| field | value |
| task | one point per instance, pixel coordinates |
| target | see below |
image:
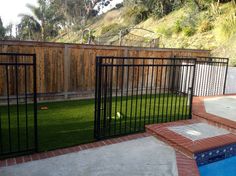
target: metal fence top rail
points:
(212, 62)
(16, 64)
(17, 59)
(17, 54)
(148, 58)
(148, 65)
(211, 57)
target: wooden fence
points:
(68, 70)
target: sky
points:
(10, 9)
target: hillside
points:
(183, 28)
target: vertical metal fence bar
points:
(192, 92)
(137, 97)
(102, 98)
(164, 93)
(172, 89)
(199, 89)
(127, 98)
(221, 78)
(96, 104)
(26, 108)
(105, 103)
(145, 107)
(218, 78)
(189, 92)
(150, 101)
(209, 79)
(155, 97)
(160, 95)
(110, 98)
(177, 91)
(8, 109)
(122, 87)
(116, 99)
(17, 102)
(185, 92)
(168, 91)
(141, 99)
(226, 74)
(99, 94)
(35, 103)
(132, 96)
(180, 92)
(1, 136)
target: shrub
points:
(177, 26)
(188, 31)
(205, 26)
(167, 32)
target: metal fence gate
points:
(18, 104)
(210, 76)
(132, 92)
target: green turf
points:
(71, 122)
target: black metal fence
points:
(132, 92)
(18, 106)
(210, 76)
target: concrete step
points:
(192, 137)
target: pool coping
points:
(199, 112)
(182, 161)
(186, 145)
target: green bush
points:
(167, 32)
(188, 31)
(178, 26)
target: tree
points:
(44, 20)
(201, 4)
(29, 29)
(158, 8)
(2, 30)
(77, 11)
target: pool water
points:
(226, 167)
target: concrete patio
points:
(143, 156)
(224, 106)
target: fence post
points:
(98, 98)
(66, 71)
(192, 89)
(35, 103)
(226, 73)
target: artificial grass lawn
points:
(72, 122)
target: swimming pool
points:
(220, 161)
(226, 167)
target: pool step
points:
(185, 145)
